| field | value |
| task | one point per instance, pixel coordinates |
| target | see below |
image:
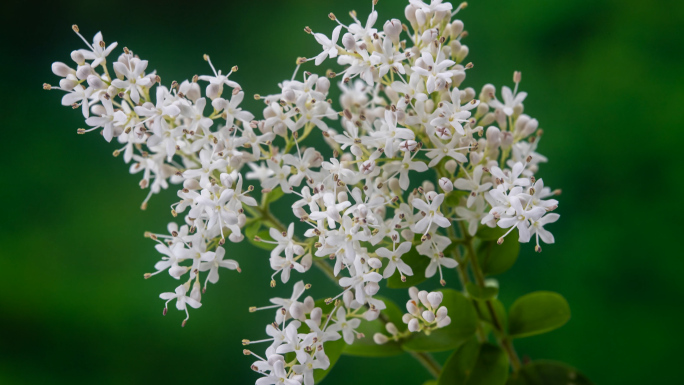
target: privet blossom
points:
(414, 161)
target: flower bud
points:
(406, 318)
(342, 196)
(297, 310)
(530, 128)
(458, 78)
(349, 42)
(309, 304)
(413, 293)
(61, 69)
(410, 13)
(392, 30)
(372, 288)
(428, 316)
(391, 328)
(428, 186)
(375, 263)
(444, 322)
(409, 145)
(435, 298)
(196, 292)
(68, 84)
(467, 95)
(441, 313)
(487, 93)
(371, 314)
(462, 53)
(83, 71)
(431, 194)
(242, 220)
(412, 308)
(520, 123)
(394, 186)
(323, 85)
(236, 237)
(289, 95)
(446, 185)
(414, 325)
(407, 234)
(316, 315)
(422, 295)
(191, 184)
(96, 82)
(451, 166)
(421, 18)
(493, 136)
(476, 157)
(455, 46)
(77, 57)
(367, 167)
(191, 91)
(306, 261)
(506, 139)
(347, 298)
(380, 338)
(430, 35)
(456, 28)
(517, 110)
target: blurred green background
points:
(604, 79)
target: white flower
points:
(213, 265)
(442, 150)
(216, 82)
(521, 219)
(432, 214)
(329, 45)
(347, 327)
(473, 185)
(277, 377)
(537, 228)
(97, 52)
(110, 121)
(132, 70)
(395, 262)
(434, 6)
(473, 217)
(435, 71)
(357, 282)
(332, 210)
(318, 361)
(511, 100)
(181, 300)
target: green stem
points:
(429, 362)
(503, 339)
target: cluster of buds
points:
(424, 313)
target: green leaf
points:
(499, 310)
(481, 293)
(546, 372)
(487, 233)
(537, 313)
(453, 198)
(496, 259)
(254, 230)
(430, 382)
(333, 349)
(462, 327)
(274, 195)
(366, 347)
(418, 264)
(475, 364)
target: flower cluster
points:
(365, 204)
